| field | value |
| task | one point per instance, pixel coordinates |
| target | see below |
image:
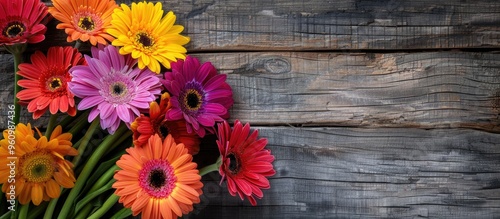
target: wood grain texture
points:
(425, 90)
(371, 173)
(222, 25)
(372, 108)
(339, 25)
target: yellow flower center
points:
(37, 166)
(192, 99)
(14, 29)
(54, 84)
(86, 23)
(145, 40)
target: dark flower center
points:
(54, 83)
(118, 89)
(14, 29)
(37, 166)
(192, 100)
(163, 130)
(86, 23)
(234, 165)
(144, 39)
(39, 170)
(157, 178)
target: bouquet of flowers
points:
(135, 84)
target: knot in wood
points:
(277, 65)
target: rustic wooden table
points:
(373, 108)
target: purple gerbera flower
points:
(113, 87)
(199, 95)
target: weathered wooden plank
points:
(426, 90)
(7, 94)
(366, 173)
(340, 25)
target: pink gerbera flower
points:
(199, 94)
(20, 21)
(113, 87)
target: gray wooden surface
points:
(373, 109)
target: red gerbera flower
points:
(46, 80)
(144, 127)
(20, 21)
(245, 162)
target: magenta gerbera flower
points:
(199, 95)
(113, 87)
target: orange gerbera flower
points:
(144, 127)
(46, 80)
(39, 164)
(160, 180)
(85, 20)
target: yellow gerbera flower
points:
(39, 165)
(86, 20)
(150, 37)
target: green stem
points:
(33, 214)
(85, 141)
(23, 213)
(105, 207)
(76, 144)
(78, 44)
(84, 212)
(3, 202)
(18, 59)
(90, 196)
(123, 213)
(212, 167)
(119, 141)
(14, 213)
(104, 179)
(73, 121)
(50, 209)
(87, 171)
(51, 125)
(79, 125)
(6, 215)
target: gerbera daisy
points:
(160, 180)
(20, 21)
(46, 81)
(144, 127)
(199, 95)
(85, 20)
(245, 162)
(40, 165)
(149, 36)
(113, 88)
